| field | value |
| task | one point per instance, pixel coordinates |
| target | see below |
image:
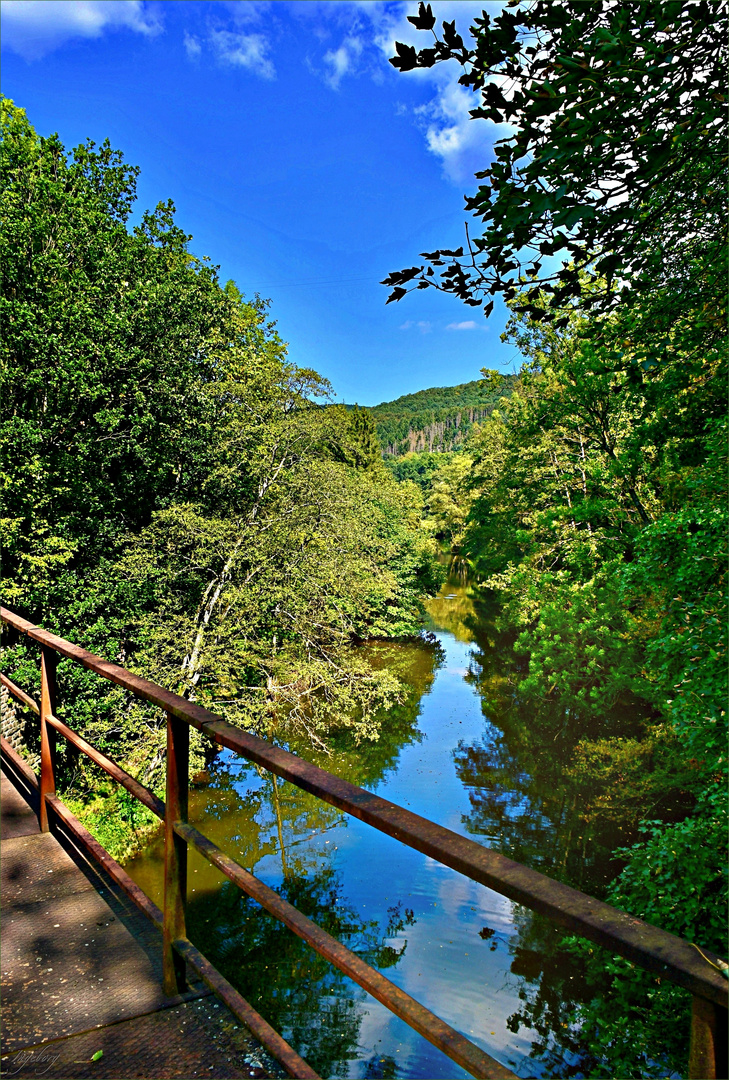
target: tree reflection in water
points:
(312, 1004)
(287, 837)
(525, 798)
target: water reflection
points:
(534, 816)
(292, 840)
(466, 753)
(305, 998)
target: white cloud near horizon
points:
(34, 28)
(469, 324)
(423, 326)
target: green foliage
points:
(626, 773)
(599, 487)
(463, 396)
(615, 164)
(105, 356)
(676, 876)
(119, 822)
(445, 482)
(268, 606)
(581, 646)
(418, 468)
(676, 879)
(178, 498)
(682, 568)
(598, 520)
(365, 446)
(449, 498)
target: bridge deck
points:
(81, 973)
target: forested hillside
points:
(435, 420)
(175, 496)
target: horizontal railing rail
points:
(654, 949)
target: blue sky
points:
(297, 157)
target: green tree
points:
(106, 354)
(582, 459)
(449, 498)
(615, 165)
(599, 520)
(440, 418)
(255, 614)
(357, 442)
(598, 498)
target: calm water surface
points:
(465, 754)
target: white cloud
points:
(468, 325)
(34, 28)
(390, 22)
(422, 326)
(462, 145)
(249, 11)
(193, 48)
(342, 61)
(348, 35)
(242, 50)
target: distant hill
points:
(436, 420)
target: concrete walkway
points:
(82, 975)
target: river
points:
(463, 752)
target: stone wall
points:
(12, 723)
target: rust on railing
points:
(47, 734)
(178, 756)
(294, 1065)
(648, 946)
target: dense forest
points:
(436, 420)
(176, 496)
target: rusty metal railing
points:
(649, 947)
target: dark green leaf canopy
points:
(617, 159)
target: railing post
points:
(178, 753)
(708, 1050)
(48, 735)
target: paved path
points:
(81, 973)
